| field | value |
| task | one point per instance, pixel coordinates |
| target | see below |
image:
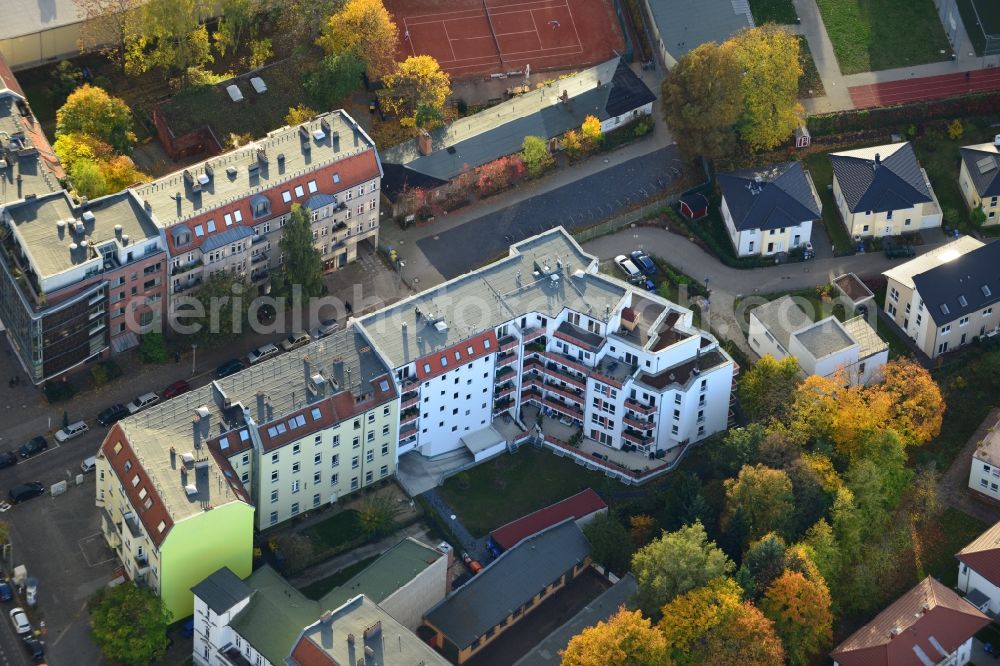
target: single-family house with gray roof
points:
(769, 210)
(883, 191)
(979, 176)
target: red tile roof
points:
(928, 616)
(353, 171)
(8, 79)
(456, 355)
(307, 653)
(983, 555)
(157, 512)
(582, 504)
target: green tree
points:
(238, 21)
(88, 179)
(536, 155)
(153, 348)
(129, 624)
(768, 59)
(300, 21)
(303, 263)
(821, 545)
(93, 112)
(812, 501)
(334, 80)
(878, 480)
(978, 216)
(106, 26)
(417, 83)
(169, 36)
(221, 314)
(846, 524)
(738, 447)
(674, 564)
(377, 516)
(702, 100)
(767, 390)
(763, 563)
(763, 496)
(610, 544)
(299, 114)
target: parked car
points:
(326, 327)
(230, 367)
(643, 262)
(88, 464)
(142, 402)
(71, 431)
(112, 414)
(899, 252)
(628, 268)
(175, 389)
(6, 594)
(34, 446)
(35, 648)
(20, 620)
(262, 352)
(26, 491)
(8, 459)
(295, 340)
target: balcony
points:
(568, 362)
(638, 407)
(409, 401)
(635, 437)
(532, 334)
(409, 416)
(505, 389)
(189, 285)
(502, 405)
(638, 424)
(578, 337)
(531, 393)
(566, 392)
(233, 656)
(504, 371)
(180, 270)
(532, 364)
(506, 359)
(257, 258)
(259, 276)
(572, 378)
(507, 342)
(407, 431)
(563, 408)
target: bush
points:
(967, 106)
(58, 391)
(462, 107)
(643, 127)
(105, 372)
(153, 348)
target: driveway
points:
(577, 204)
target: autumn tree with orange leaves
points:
(799, 607)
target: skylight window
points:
(198, 231)
(238, 215)
(312, 187)
(962, 301)
(986, 291)
(211, 226)
(945, 309)
(316, 414)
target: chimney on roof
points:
(260, 407)
(270, 409)
(206, 422)
(261, 156)
(424, 142)
(878, 162)
(306, 368)
(196, 431)
(326, 617)
(350, 639)
(335, 138)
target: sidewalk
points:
(812, 28)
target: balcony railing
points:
(638, 424)
(507, 342)
(635, 437)
(568, 362)
(563, 408)
(409, 402)
(506, 359)
(179, 270)
(553, 370)
(532, 334)
(504, 371)
(575, 396)
(639, 407)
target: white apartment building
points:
(984, 473)
(543, 327)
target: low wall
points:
(201, 141)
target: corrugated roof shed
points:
(576, 507)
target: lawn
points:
(317, 589)
(970, 383)
(810, 85)
(939, 543)
(988, 12)
(256, 115)
(821, 170)
(336, 530)
(513, 485)
(882, 34)
(773, 11)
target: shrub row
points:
(966, 106)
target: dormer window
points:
(260, 205)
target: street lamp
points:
(194, 355)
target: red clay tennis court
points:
(928, 87)
(475, 37)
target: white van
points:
(142, 402)
(88, 464)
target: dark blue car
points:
(6, 594)
(643, 262)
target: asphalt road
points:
(578, 204)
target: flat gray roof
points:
(497, 293)
(482, 439)
(171, 200)
(687, 24)
(868, 340)
(824, 338)
(781, 318)
(222, 590)
(48, 245)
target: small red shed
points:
(694, 206)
